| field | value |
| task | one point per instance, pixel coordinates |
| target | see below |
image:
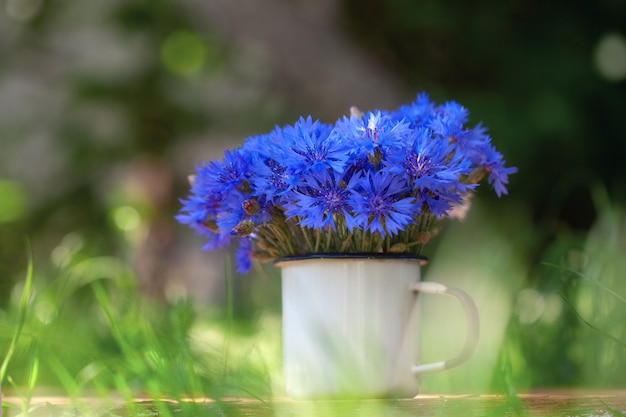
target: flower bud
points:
(250, 207)
(398, 248)
(244, 228)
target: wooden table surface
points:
(550, 403)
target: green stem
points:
(307, 238)
(329, 236)
(281, 239)
(363, 233)
(318, 238)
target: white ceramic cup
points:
(351, 326)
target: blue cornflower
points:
(270, 178)
(380, 203)
(225, 176)
(448, 124)
(192, 214)
(433, 169)
(448, 129)
(493, 162)
(202, 208)
(320, 199)
(418, 113)
(198, 210)
(453, 112)
(231, 212)
(429, 163)
(372, 131)
(311, 149)
(474, 140)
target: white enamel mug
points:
(351, 326)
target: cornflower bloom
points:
(380, 203)
(320, 200)
(433, 169)
(371, 135)
(310, 149)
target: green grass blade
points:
(590, 325)
(65, 378)
(21, 320)
(585, 277)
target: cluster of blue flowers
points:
(372, 182)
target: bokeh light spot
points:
(183, 52)
(62, 255)
(553, 309)
(610, 57)
(126, 218)
(530, 305)
(46, 311)
(12, 201)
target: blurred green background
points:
(105, 108)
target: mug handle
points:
(471, 337)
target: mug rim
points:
(422, 260)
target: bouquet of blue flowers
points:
(373, 182)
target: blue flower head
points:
(213, 188)
(320, 200)
(225, 176)
(381, 205)
(418, 113)
(268, 161)
(311, 149)
(432, 163)
(200, 216)
(370, 132)
(493, 162)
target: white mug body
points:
(350, 327)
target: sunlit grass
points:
(88, 332)
(566, 330)
(551, 323)
(16, 332)
(599, 276)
